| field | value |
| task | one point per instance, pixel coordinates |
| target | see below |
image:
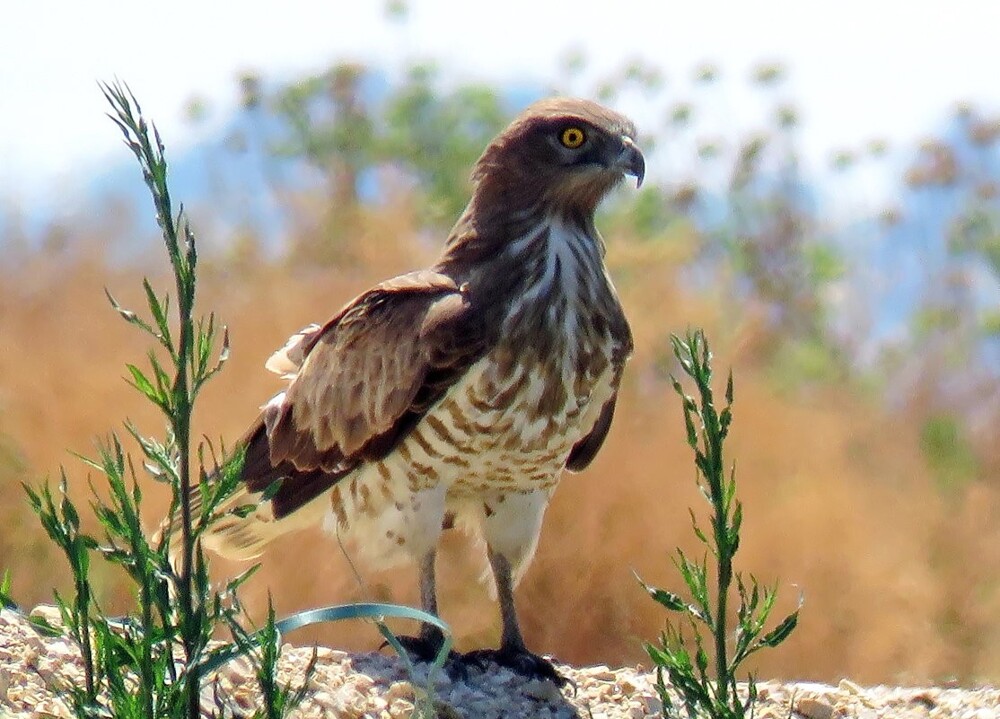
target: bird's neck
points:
(487, 235)
(530, 270)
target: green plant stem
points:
(721, 634)
(82, 586)
(723, 543)
(183, 259)
(146, 665)
(182, 435)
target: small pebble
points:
(626, 685)
(846, 685)
(813, 708)
(542, 690)
(400, 690)
(653, 705)
(49, 612)
(401, 709)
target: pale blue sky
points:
(858, 69)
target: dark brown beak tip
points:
(632, 161)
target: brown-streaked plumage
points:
(458, 394)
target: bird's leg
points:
(429, 634)
(511, 641)
(513, 653)
(425, 646)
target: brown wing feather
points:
(586, 449)
(366, 378)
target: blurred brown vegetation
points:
(862, 504)
(900, 581)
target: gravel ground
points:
(352, 686)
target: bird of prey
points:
(458, 394)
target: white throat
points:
(564, 262)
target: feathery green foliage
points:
(150, 664)
(682, 663)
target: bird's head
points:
(566, 154)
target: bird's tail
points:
(246, 520)
(245, 524)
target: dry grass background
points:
(901, 582)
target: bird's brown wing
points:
(365, 380)
(586, 449)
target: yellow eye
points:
(572, 137)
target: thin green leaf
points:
(128, 315)
(697, 529)
(159, 309)
(242, 511)
(668, 599)
(272, 489)
(146, 387)
(780, 633)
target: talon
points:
(524, 663)
(421, 649)
(425, 649)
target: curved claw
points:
(524, 663)
(425, 649)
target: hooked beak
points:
(630, 160)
